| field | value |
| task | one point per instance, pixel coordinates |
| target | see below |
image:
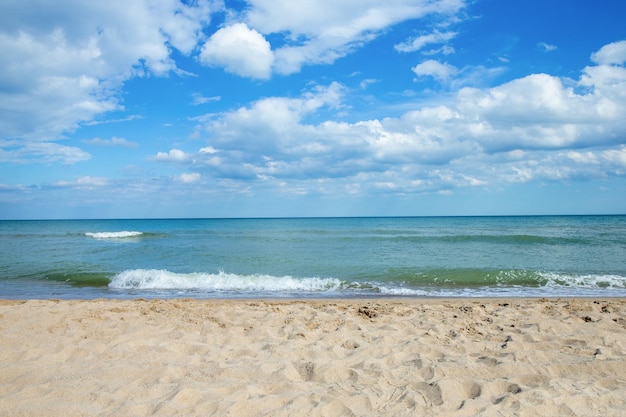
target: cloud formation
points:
(240, 50)
(516, 132)
(418, 43)
(63, 63)
(114, 141)
(314, 33)
(81, 76)
(547, 47)
(16, 152)
(611, 54)
(435, 69)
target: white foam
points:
(113, 235)
(584, 281)
(399, 291)
(222, 281)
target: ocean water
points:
(522, 256)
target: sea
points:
(303, 258)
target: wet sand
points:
(396, 357)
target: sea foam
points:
(584, 281)
(114, 235)
(222, 281)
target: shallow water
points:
(315, 257)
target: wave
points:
(514, 239)
(80, 279)
(584, 281)
(222, 281)
(479, 238)
(463, 277)
(113, 235)
(421, 284)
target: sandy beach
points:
(453, 357)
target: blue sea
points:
(534, 256)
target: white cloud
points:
(616, 156)
(209, 150)
(583, 157)
(63, 63)
(611, 54)
(114, 141)
(325, 30)
(189, 178)
(240, 50)
(516, 132)
(11, 187)
(444, 50)
(435, 69)
(547, 47)
(49, 85)
(109, 121)
(367, 82)
(421, 41)
(86, 182)
(14, 151)
(349, 16)
(271, 123)
(174, 155)
(199, 99)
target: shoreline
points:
(339, 298)
(328, 357)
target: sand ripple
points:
(314, 358)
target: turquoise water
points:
(315, 257)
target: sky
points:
(280, 108)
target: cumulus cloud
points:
(64, 63)
(520, 131)
(240, 50)
(174, 155)
(611, 54)
(273, 124)
(325, 30)
(435, 69)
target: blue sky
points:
(264, 108)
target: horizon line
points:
(317, 217)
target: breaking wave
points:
(113, 235)
(222, 281)
(256, 284)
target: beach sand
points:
(447, 357)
